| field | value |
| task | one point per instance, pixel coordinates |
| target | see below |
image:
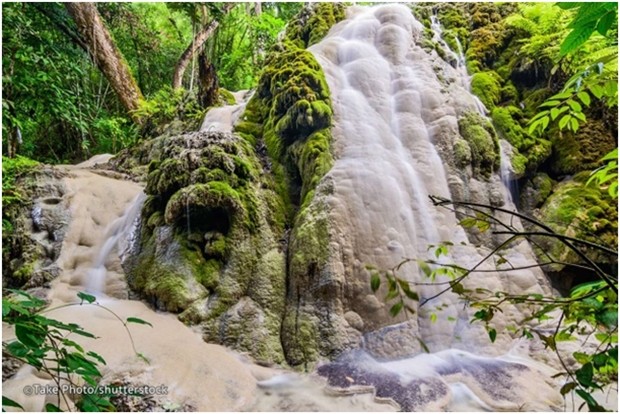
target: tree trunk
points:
(199, 40)
(106, 55)
(208, 84)
(186, 57)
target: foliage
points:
(239, 46)
(597, 78)
(607, 175)
(590, 311)
(52, 93)
(12, 168)
(169, 104)
(46, 344)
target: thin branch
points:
(562, 237)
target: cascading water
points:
(118, 234)
(224, 118)
(395, 125)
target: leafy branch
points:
(46, 345)
(591, 309)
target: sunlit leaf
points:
(584, 97)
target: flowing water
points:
(391, 113)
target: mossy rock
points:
(537, 154)
(582, 211)
(313, 23)
(583, 150)
(482, 140)
(291, 113)
(487, 87)
(535, 192)
(211, 227)
(165, 271)
(510, 128)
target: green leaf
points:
(425, 268)
(423, 345)
(584, 97)
(484, 225)
(86, 297)
(580, 116)
(433, 317)
(492, 334)
(568, 5)
(550, 103)
(575, 38)
(581, 357)
(412, 295)
(458, 288)
(564, 120)
(554, 113)
(30, 334)
(587, 397)
(396, 308)
(17, 349)
(6, 307)
(597, 90)
(605, 23)
(574, 124)
(574, 105)
(584, 375)
(375, 281)
(7, 402)
(96, 356)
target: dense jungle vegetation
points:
(84, 79)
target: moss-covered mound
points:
(209, 241)
(583, 150)
(585, 212)
(312, 23)
(482, 142)
(291, 115)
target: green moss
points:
(209, 274)
(24, 273)
(519, 164)
(226, 97)
(291, 112)
(312, 24)
(537, 154)
(169, 284)
(510, 129)
(487, 87)
(480, 136)
(509, 93)
(574, 152)
(584, 212)
(156, 219)
(462, 153)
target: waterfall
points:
(395, 125)
(119, 234)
